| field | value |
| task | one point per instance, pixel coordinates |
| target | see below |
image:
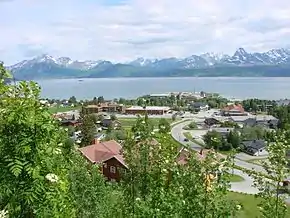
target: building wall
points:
(152, 112)
(92, 110)
(111, 175)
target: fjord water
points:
(110, 88)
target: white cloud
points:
(123, 30)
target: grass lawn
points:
(258, 161)
(127, 123)
(235, 178)
(62, 109)
(249, 205)
(189, 137)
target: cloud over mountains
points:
(124, 30)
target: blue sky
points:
(122, 30)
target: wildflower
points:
(143, 122)
(138, 199)
(238, 207)
(52, 177)
(3, 214)
(57, 151)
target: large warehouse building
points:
(151, 110)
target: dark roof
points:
(198, 104)
(69, 121)
(254, 144)
(250, 121)
(99, 135)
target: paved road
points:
(244, 186)
(177, 133)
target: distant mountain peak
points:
(46, 65)
(240, 51)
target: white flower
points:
(143, 122)
(3, 214)
(138, 199)
(238, 207)
(52, 177)
(57, 151)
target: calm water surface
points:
(110, 88)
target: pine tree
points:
(87, 128)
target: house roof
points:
(92, 106)
(255, 144)
(159, 108)
(250, 121)
(234, 107)
(222, 130)
(103, 151)
(198, 104)
(184, 155)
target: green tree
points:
(234, 139)
(91, 196)
(156, 185)
(101, 99)
(87, 128)
(173, 117)
(213, 139)
(113, 117)
(33, 179)
(192, 125)
(273, 201)
(72, 100)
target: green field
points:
(249, 205)
(189, 137)
(235, 178)
(62, 109)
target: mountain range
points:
(275, 62)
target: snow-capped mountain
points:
(139, 62)
(61, 62)
(64, 66)
(214, 58)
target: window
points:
(112, 169)
(105, 165)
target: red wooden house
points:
(108, 155)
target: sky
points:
(123, 30)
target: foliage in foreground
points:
(42, 175)
(272, 193)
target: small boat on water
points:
(80, 80)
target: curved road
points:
(177, 133)
(244, 186)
